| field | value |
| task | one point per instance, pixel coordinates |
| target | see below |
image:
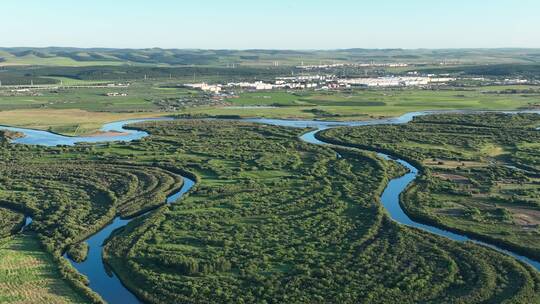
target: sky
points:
(271, 24)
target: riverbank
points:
(67, 122)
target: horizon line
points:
(271, 49)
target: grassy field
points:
(139, 99)
(362, 104)
(389, 102)
(29, 275)
(76, 111)
(154, 98)
(12, 60)
(69, 122)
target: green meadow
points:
(29, 275)
(359, 103)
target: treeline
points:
(495, 70)
(24, 79)
(12, 75)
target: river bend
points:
(109, 287)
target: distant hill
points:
(59, 56)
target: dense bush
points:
(480, 172)
(276, 220)
(271, 220)
(10, 222)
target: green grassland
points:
(30, 275)
(139, 99)
(68, 122)
(161, 92)
(359, 103)
(10, 59)
(79, 111)
(170, 57)
(150, 99)
(394, 100)
(480, 173)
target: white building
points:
(394, 81)
(205, 87)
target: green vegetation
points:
(77, 111)
(23, 75)
(497, 70)
(30, 275)
(55, 56)
(271, 219)
(73, 192)
(10, 222)
(274, 219)
(480, 172)
(351, 104)
(155, 79)
(68, 122)
(140, 97)
(78, 252)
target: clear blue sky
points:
(273, 24)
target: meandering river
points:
(109, 287)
